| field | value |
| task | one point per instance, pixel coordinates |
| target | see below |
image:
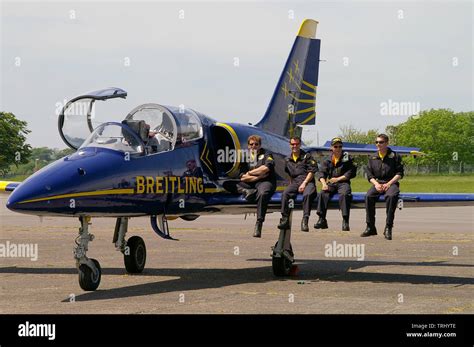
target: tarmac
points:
(218, 267)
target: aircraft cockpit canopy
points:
(114, 136)
(159, 128)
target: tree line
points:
(444, 136)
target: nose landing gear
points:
(89, 269)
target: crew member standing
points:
(257, 179)
(335, 175)
(384, 170)
(301, 168)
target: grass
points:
(425, 184)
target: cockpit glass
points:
(75, 127)
(114, 136)
(190, 127)
(161, 124)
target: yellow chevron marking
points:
(297, 67)
(76, 195)
(305, 110)
(303, 101)
(309, 84)
(290, 73)
(203, 157)
(308, 119)
(285, 89)
(307, 93)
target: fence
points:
(437, 169)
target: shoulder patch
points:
(261, 156)
(312, 162)
(307, 155)
(391, 155)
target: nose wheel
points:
(89, 269)
(89, 277)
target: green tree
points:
(13, 149)
(445, 136)
(351, 134)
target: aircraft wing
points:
(362, 149)
(237, 204)
(8, 186)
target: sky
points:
(375, 56)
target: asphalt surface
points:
(218, 267)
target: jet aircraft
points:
(117, 172)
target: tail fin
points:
(294, 99)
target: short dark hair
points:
(383, 136)
(297, 138)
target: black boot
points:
(284, 223)
(258, 229)
(388, 232)
(304, 224)
(345, 224)
(321, 224)
(369, 231)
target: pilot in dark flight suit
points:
(335, 175)
(257, 179)
(384, 170)
(301, 167)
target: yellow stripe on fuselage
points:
(76, 195)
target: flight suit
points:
(266, 186)
(298, 171)
(344, 167)
(383, 170)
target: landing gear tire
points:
(87, 279)
(136, 258)
(281, 266)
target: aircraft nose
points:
(11, 203)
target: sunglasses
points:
(254, 144)
(379, 142)
(339, 146)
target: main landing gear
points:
(282, 255)
(133, 249)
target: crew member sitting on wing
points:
(384, 170)
(301, 167)
(335, 175)
(257, 179)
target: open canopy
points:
(75, 119)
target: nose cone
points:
(37, 187)
(77, 177)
